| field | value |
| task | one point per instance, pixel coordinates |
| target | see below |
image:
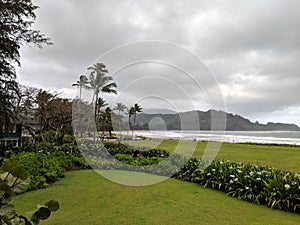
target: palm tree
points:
(100, 104)
(100, 81)
(100, 117)
(120, 108)
(107, 121)
(130, 112)
(136, 108)
(82, 83)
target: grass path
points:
(88, 199)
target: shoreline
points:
(240, 137)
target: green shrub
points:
(258, 184)
(250, 182)
(254, 183)
(43, 168)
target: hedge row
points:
(262, 185)
(254, 183)
(258, 184)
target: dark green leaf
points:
(15, 170)
(8, 210)
(43, 213)
(26, 220)
(4, 187)
(52, 205)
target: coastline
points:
(291, 138)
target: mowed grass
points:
(285, 158)
(87, 198)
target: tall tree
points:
(107, 121)
(43, 101)
(100, 117)
(82, 83)
(137, 109)
(54, 114)
(100, 104)
(26, 109)
(16, 18)
(133, 110)
(130, 112)
(120, 108)
(100, 81)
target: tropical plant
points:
(82, 83)
(107, 121)
(100, 104)
(258, 184)
(130, 113)
(100, 81)
(120, 108)
(14, 180)
(133, 111)
(100, 114)
(137, 109)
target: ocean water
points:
(267, 137)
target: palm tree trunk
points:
(80, 92)
(120, 136)
(95, 116)
(134, 117)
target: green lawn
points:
(281, 157)
(87, 198)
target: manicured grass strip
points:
(283, 157)
(87, 198)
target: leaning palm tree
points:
(82, 83)
(100, 81)
(120, 108)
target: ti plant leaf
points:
(15, 170)
(52, 205)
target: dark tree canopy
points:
(16, 18)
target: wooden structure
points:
(15, 138)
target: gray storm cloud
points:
(252, 47)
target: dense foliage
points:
(262, 185)
(16, 18)
(46, 162)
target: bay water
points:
(266, 137)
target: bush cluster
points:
(263, 185)
(258, 184)
(47, 162)
(122, 157)
(254, 183)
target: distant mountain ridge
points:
(192, 119)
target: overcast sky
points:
(248, 51)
